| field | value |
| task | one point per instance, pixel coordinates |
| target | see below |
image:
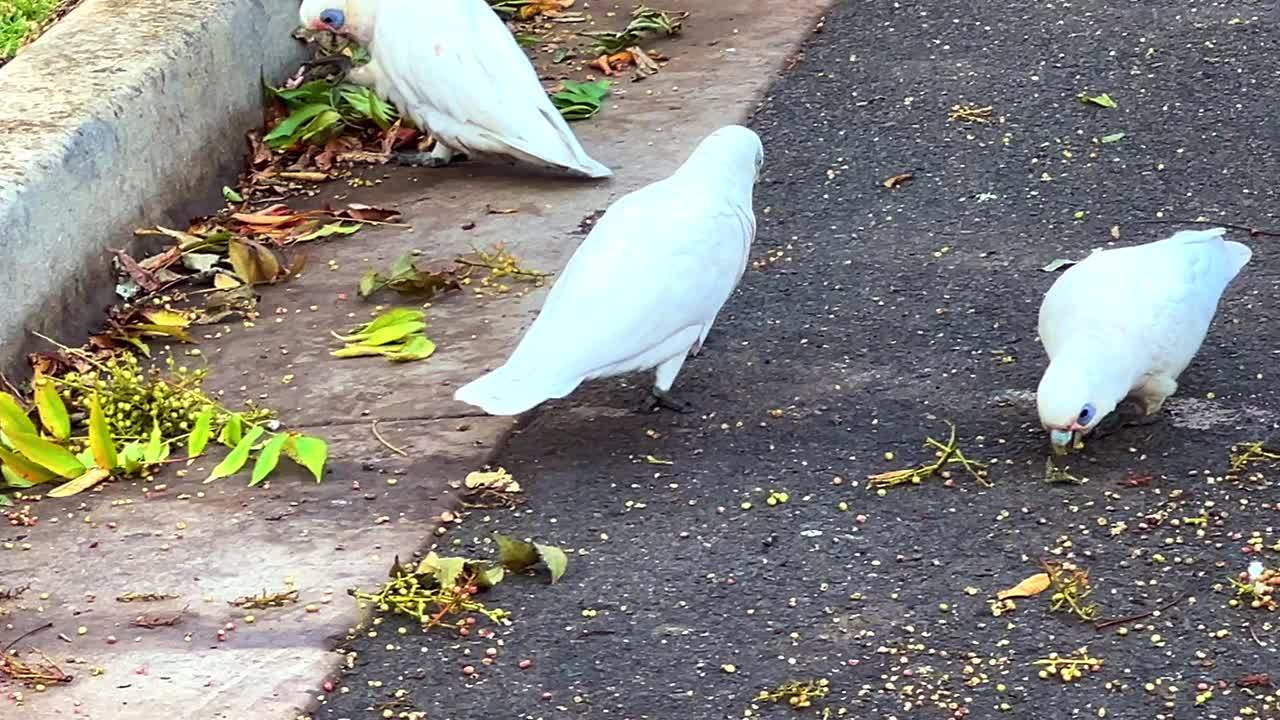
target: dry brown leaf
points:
(1030, 587)
(898, 180)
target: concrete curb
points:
(113, 120)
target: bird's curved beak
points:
(1061, 440)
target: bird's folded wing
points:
(479, 76)
(638, 279)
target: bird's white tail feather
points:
(1240, 255)
(511, 391)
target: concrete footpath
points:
(210, 544)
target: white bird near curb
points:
(1124, 323)
(645, 286)
(453, 67)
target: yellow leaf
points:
(24, 468)
(46, 454)
(499, 479)
(91, 477)
(104, 450)
(52, 411)
(1030, 587)
(223, 281)
(657, 461)
(170, 318)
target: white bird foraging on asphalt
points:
(455, 69)
(645, 286)
(1124, 323)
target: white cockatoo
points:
(455, 69)
(1124, 323)
(645, 286)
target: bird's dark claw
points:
(658, 399)
(418, 159)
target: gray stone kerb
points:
(113, 120)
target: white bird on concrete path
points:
(1124, 323)
(453, 67)
(645, 286)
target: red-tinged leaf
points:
(24, 468)
(356, 211)
(140, 275)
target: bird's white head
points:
(1070, 403)
(349, 18)
(732, 148)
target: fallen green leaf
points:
(12, 417)
(268, 458)
(1103, 100)
(1057, 264)
(157, 450)
(238, 456)
(201, 433)
(53, 457)
(555, 560)
(309, 452)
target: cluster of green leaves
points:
(580, 101)
(322, 110)
(20, 20)
(396, 335)
(32, 454)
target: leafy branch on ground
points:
(645, 22)
(1069, 668)
(427, 279)
(107, 417)
(441, 591)
(395, 334)
(948, 453)
(266, 600)
(1071, 589)
(1248, 454)
(798, 694)
(35, 674)
(409, 276)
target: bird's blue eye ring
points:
(333, 18)
(1086, 414)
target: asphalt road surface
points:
(884, 314)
